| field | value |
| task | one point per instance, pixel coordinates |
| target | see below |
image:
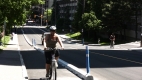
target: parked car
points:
(43, 37)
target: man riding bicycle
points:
(50, 42)
(112, 39)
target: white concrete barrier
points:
(26, 38)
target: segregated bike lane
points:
(61, 72)
(81, 74)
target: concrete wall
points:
(130, 33)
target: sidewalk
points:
(126, 46)
(10, 64)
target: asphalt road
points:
(104, 64)
(35, 62)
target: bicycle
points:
(53, 68)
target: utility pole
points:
(141, 30)
(83, 24)
(55, 11)
(83, 5)
(41, 14)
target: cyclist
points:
(112, 39)
(50, 41)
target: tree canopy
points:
(14, 12)
(113, 14)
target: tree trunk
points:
(124, 32)
(88, 33)
(136, 36)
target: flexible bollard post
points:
(87, 60)
(34, 42)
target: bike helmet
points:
(52, 28)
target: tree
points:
(78, 15)
(90, 22)
(14, 12)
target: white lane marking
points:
(118, 58)
(34, 32)
(25, 75)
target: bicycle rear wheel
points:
(53, 72)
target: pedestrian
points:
(98, 40)
(112, 40)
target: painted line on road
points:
(34, 32)
(117, 58)
(24, 71)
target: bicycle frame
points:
(53, 67)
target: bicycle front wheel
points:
(53, 72)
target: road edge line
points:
(24, 71)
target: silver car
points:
(43, 37)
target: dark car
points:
(43, 37)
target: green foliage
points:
(49, 12)
(90, 21)
(78, 15)
(74, 35)
(116, 13)
(14, 11)
(36, 2)
(5, 39)
(113, 14)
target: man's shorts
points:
(48, 55)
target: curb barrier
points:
(25, 75)
(34, 42)
(26, 38)
(76, 70)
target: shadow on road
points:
(98, 58)
(103, 58)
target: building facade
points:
(69, 6)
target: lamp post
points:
(55, 11)
(141, 30)
(141, 37)
(83, 23)
(82, 37)
(41, 14)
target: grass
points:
(74, 35)
(4, 40)
(103, 41)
